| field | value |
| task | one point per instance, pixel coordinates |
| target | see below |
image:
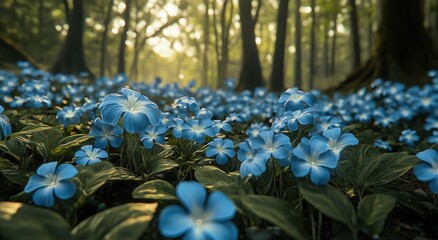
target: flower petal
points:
(65, 190)
(47, 170)
(35, 182)
(66, 171)
(220, 231)
(424, 172)
(44, 197)
(174, 221)
(192, 195)
(220, 207)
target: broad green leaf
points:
(156, 190)
(30, 130)
(69, 142)
(362, 166)
(13, 147)
(16, 176)
(46, 140)
(93, 176)
(373, 211)
(330, 201)
(127, 221)
(277, 212)
(21, 221)
(213, 177)
(161, 165)
(6, 164)
(121, 173)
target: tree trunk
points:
(71, 58)
(204, 81)
(355, 33)
(298, 81)
(251, 72)
(40, 17)
(333, 55)
(402, 50)
(277, 74)
(122, 46)
(312, 46)
(370, 27)
(103, 44)
(223, 55)
(326, 50)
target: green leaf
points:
(277, 212)
(127, 221)
(30, 130)
(16, 176)
(330, 201)
(373, 211)
(213, 177)
(93, 176)
(46, 140)
(13, 147)
(69, 142)
(20, 221)
(156, 190)
(162, 165)
(362, 166)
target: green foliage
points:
(373, 211)
(214, 178)
(127, 221)
(70, 142)
(155, 190)
(20, 221)
(362, 166)
(332, 202)
(92, 177)
(277, 212)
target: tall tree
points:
(402, 49)
(251, 72)
(297, 79)
(326, 50)
(334, 37)
(206, 33)
(71, 57)
(312, 45)
(124, 37)
(277, 74)
(104, 41)
(355, 33)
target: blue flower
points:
(197, 130)
(137, 110)
(153, 134)
(187, 104)
(434, 138)
(89, 155)
(271, 144)
(201, 217)
(313, 157)
(294, 99)
(177, 126)
(50, 181)
(221, 148)
(335, 141)
(427, 171)
(5, 126)
(409, 137)
(104, 133)
(255, 129)
(252, 163)
(69, 115)
(382, 144)
(221, 125)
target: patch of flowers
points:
(236, 161)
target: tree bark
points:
(251, 72)
(312, 46)
(206, 26)
(123, 38)
(103, 44)
(297, 79)
(355, 33)
(71, 58)
(223, 55)
(333, 54)
(326, 50)
(277, 74)
(402, 49)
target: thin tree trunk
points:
(104, 41)
(67, 11)
(206, 44)
(123, 38)
(370, 27)
(355, 33)
(223, 55)
(40, 17)
(312, 46)
(297, 78)
(251, 73)
(277, 74)
(333, 54)
(326, 50)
